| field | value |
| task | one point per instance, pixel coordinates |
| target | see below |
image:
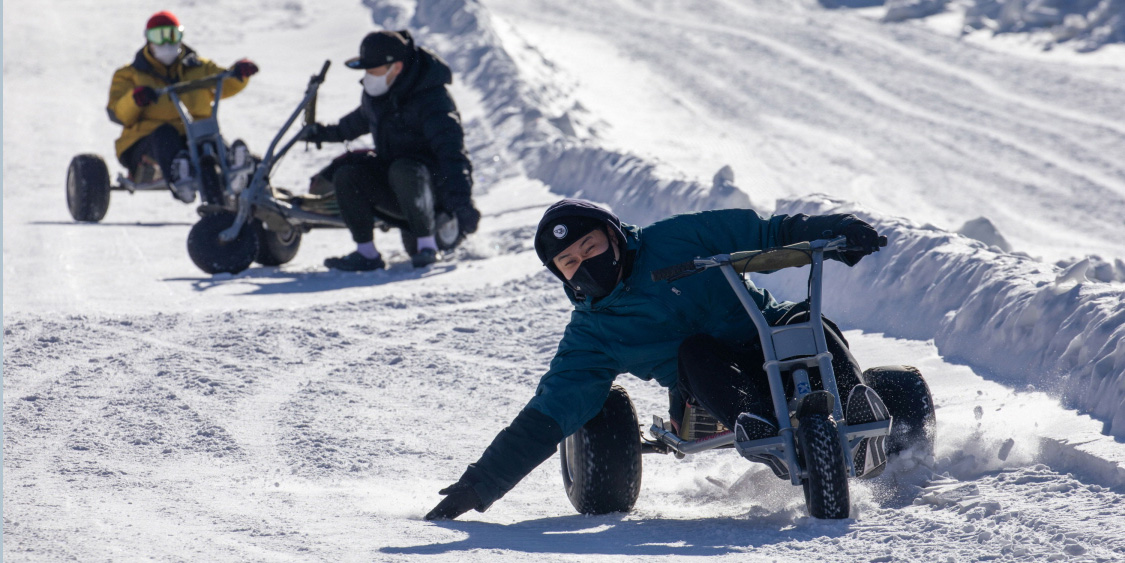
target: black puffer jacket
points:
(417, 119)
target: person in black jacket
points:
(419, 165)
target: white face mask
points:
(376, 86)
(165, 53)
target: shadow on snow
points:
(269, 280)
(114, 223)
(615, 535)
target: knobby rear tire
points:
(907, 396)
(601, 462)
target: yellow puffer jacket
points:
(147, 71)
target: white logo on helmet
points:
(559, 231)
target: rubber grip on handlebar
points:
(881, 242)
(323, 71)
(672, 271)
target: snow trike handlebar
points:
(766, 260)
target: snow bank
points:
(544, 140)
(1087, 24)
(1024, 322)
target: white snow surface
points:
(296, 414)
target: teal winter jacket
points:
(638, 328)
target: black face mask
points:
(597, 276)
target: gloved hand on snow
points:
(144, 95)
(244, 69)
(460, 498)
(862, 237)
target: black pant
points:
(728, 381)
(399, 192)
(162, 145)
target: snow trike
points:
(814, 446)
(265, 224)
(218, 172)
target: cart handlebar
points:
(791, 256)
(197, 84)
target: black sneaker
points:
(355, 262)
(749, 427)
(425, 257)
(864, 405)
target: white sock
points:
(367, 250)
(427, 242)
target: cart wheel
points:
(87, 188)
(274, 248)
(214, 256)
(448, 235)
(907, 396)
(826, 487)
(601, 462)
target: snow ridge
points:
(1025, 322)
(1087, 24)
(546, 144)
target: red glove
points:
(144, 95)
(245, 68)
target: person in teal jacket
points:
(692, 336)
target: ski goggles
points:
(164, 34)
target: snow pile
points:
(1087, 24)
(540, 125)
(1098, 269)
(984, 230)
(1006, 313)
(1026, 322)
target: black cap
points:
(380, 48)
(567, 221)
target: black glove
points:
(862, 237)
(313, 133)
(144, 95)
(460, 498)
(244, 69)
(468, 218)
(801, 227)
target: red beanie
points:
(161, 19)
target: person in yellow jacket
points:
(153, 129)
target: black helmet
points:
(567, 221)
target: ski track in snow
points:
(292, 414)
(817, 103)
(315, 437)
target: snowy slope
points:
(152, 412)
(903, 120)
